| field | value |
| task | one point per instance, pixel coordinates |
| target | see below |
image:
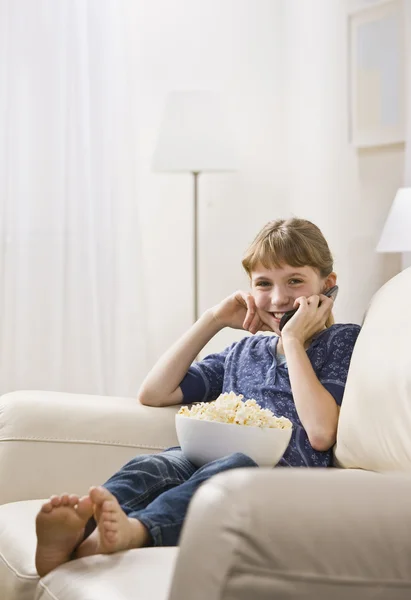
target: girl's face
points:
(275, 289)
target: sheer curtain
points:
(71, 295)
(407, 174)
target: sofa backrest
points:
(374, 429)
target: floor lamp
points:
(396, 235)
(194, 138)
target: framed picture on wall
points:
(377, 54)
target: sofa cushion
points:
(374, 429)
(18, 575)
(136, 575)
(133, 575)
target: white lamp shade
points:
(396, 235)
(194, 135)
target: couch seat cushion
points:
(143, 574)
(136, 575)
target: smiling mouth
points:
(278, 315)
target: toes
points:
(96, 496)
(73, 500)
(109, 505)
(57, 501)
(99, 494)
(109, 516)
(53, 502)
(47, 507)
(85, 507)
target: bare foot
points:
(59, 527)
(115, 531)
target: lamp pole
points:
(195, 245)
(194, 138)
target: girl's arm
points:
(316, 407)
(161, 387)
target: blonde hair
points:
(295, 242)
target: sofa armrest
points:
(56, 442)
(294, 534)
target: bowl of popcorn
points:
(210, 430)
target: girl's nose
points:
(279, 298)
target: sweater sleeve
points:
(204, 379)
(334, 371)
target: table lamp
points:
(194, 137)
(396, 235)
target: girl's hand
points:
(309, 319)
(239, 312)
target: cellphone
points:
(331, 293)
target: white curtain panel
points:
(71, 296)
(407, 174)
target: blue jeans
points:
(156, 489)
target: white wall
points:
(281, 65)
(345, 191)
(235, 47)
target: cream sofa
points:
(250, 534)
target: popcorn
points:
(230, 408)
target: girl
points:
(299, 373)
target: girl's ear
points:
(330, 281)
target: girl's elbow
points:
(143, 399)
(147, 399)
(322, 441)
(153, 398)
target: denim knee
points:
(237, 459)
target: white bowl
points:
(205, 441)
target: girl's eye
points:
(295, 281)
(263, 283)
